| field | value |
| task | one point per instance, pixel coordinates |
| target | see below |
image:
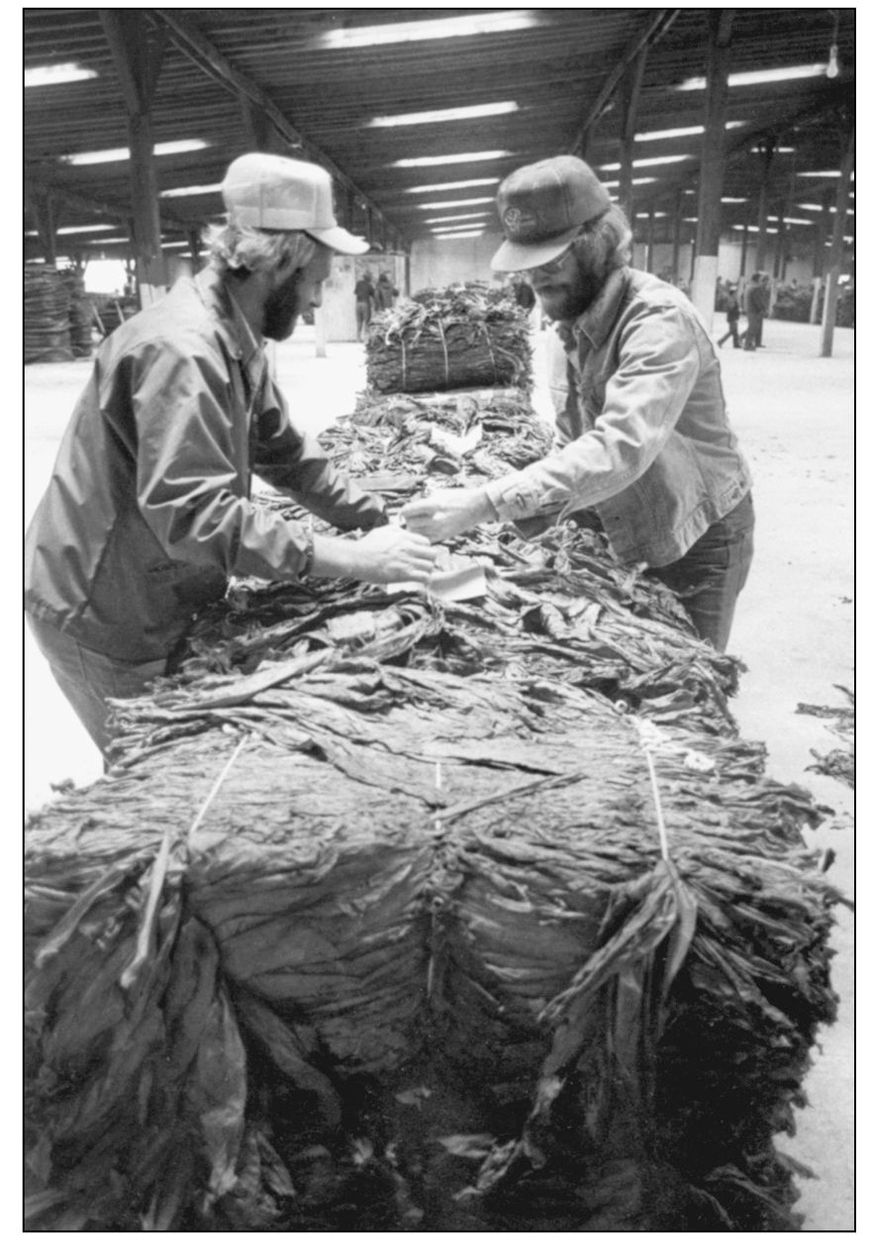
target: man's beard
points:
(566, 301)
(281, 309)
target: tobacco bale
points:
(375, 985)
(463, 336)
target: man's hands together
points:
(386, 555)
(448, 511)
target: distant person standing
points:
(756, 301)
(385, 292)
(364, 299)
(732, 313)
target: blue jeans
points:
(87, 679)
(711, 575)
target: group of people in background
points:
(756, 299)
(370, 298)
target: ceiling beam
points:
(42, 179)
(652, 31)
(199, 49)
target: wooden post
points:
(834, 266)
(137, 53)
(820, 249)
(746, 233)
(259, 129)
(676, 238)
(708, 228)
(763, 205)
(632, 87)
(41, 204)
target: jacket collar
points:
(597, 321)
(241, 340)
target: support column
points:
(820, 249)
(632, 88)
(41, 204)
(763, 206)
(746, 235)
(676, 237)
(834, 266)
(259, 130)
(137, 53)
(708, 228)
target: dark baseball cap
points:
(542, 207)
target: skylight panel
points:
(474, 200)
(461, 235)
(49, 75)
(458, 114)
(748, 78)
(202, 189)
(491, 23)
(452, 159)
(102, 155)
(678, 132)
(477, 213)
(451, 187)
(649, 161)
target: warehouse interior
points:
(728, 136)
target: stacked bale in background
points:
(81, 314)
(46, 315)
(463, 336)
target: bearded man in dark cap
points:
(643, 437)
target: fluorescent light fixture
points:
(123, 154)
(734, 200)
(175, 244)
(677, 132)
(747, 78)
(690, 220)
(820, 174)
(460, 235)
(451, 187)
(779, 148)
(436, 28)
(476, 213)
(474, 200)
(97, 226)
(649, 161)
(740, 226)
(799, 222)
(48, 75)
(616, 183)
(453, 159)
(659, 213)
(202, 189)
(446, 115)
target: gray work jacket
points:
(148, 510)
(642, 428)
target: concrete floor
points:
(794, 629)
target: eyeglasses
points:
(555, 267)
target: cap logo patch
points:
(517, 222)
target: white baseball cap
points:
(277, 193)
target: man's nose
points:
(317, 297)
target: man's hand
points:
(386, 555)
(447, 512)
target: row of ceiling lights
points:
(444, 28)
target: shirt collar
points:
(598, 319)
(243, 342)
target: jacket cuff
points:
(511, 498)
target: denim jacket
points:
(642, 428)
(148, 510)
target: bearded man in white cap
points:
(149, 512)
(643, 437)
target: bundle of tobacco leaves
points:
(463, 336)
(46, 315)
(838, 763)
(341, 945)
(560, 606)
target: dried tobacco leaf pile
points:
(399, 914)
(422, 961)
(464, 336)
